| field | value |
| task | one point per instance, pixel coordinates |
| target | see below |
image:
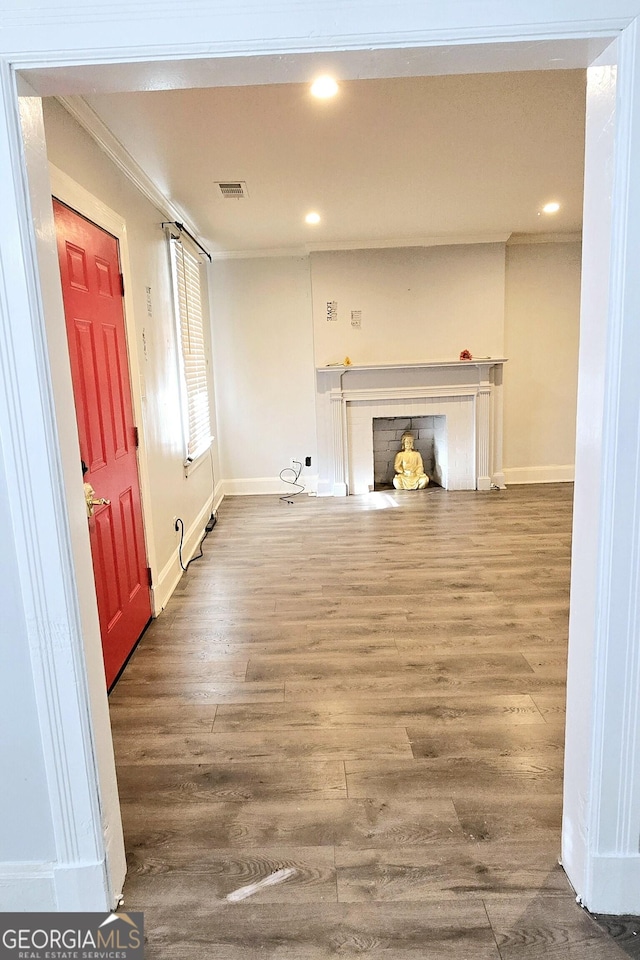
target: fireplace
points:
(387, 441)
(464, 398)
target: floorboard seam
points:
(493, 933)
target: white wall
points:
(418, 303)
(540, 380)
(263, 355)
(171, 492)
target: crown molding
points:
(343, 245)
(521, 239)
(259, 253)
(88, 119)
(439, 241)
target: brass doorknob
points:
(92, 501)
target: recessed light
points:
(312, 218)
(552, 207)
(324, 87)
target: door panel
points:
(91, 289)
(87, 393)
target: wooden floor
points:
(367, 693)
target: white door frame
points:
(66, 189)
(37, 399)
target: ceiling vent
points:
(233, 189)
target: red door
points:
(92, 293)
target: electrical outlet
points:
(307, 461)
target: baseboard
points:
(261, 486)
(167, 582)
(83, 887)
(171, 573)
(218, 496)
(34, 887)
(27, 887)
(614, 885)
(553, 474)
(324, 488)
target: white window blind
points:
(188, 300)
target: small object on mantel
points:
(341, 363)
(465, 355)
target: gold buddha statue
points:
(409, 468)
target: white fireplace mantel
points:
(426, 364)
(468, 393)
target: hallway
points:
(368, 693)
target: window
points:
(193, 362)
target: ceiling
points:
(405, 160)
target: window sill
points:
(191, 465)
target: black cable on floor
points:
(207, 530)
(288, 497)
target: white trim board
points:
(40, 449)
(616, 881)
(27, 887)
(171, 574)
(564, 473)
(265, 486)
(78, 198)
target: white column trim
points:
(338, 442)
(497, 429)
(484, 433)
(45, 564)
(615, 780)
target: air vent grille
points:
(233, 189)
